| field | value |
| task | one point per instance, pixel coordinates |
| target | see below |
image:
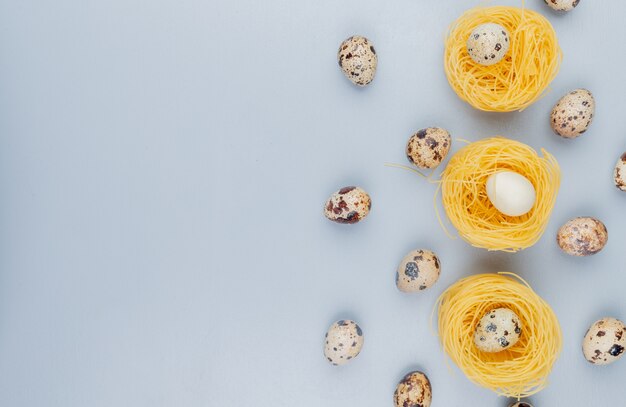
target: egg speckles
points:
(488, 44)
(573, 113)
(497, 330)
(343, 342)
(358, 60)
(582, 236)
(428, 147)
(413, 390)
(348, 205)
(605, 341)
(521, 404)
(418, 271)
(619, 173)
(562, 5)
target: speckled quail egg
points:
(521, 404)
(497, 330)
(573, 113)
(418, 271)
(619, 173)
(358, 60)
(562, 5)
(348, 205)
(428, 147)
(511, 193)
(605, 341)
(413, 390)
(488, 44)
(343, 342)
(582, 236)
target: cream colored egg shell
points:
(413, 390)
(562, 5)
(619, 173)
(358, 60)
(521, 404)
(497, 330)
(418, 270)
(583, 236)
(428, 147)
(488, 44)
(573, 113)
(348, 205)
(605, 341)
(344, 341)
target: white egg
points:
(511, 193)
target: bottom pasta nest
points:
(522, 369)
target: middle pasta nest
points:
(465, 200)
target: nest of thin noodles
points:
(465, 201)
(522, 369)
(518, 80)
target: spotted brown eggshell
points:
(573, 113)
(605, 341)
(521, 404)
(619, 173)
(413, 390)
(348, 205)
(358, 60)
(417, 271)
(344, 341)
(582, 236)
(562, 5)
(428, 147)
(497, 330)
(488, 44)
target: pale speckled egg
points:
(582, 236)
(605, 341)
(413, 390)
(344, 341)
(428, 147)
(521, 404)
(619, 173)
(573, 113)
(562, 5)
(497, 330)
(511, 193)
(348, 205)
(488, 44)
(418, 271)
(358, 60)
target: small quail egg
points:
(358, 60)
(413, 390)
(605, 341)
(582, 236)
(573, 113)
(488, 44)
(521, 404)
(348, 205)
(343, 343)
(511, 193)
(497, 330)
(562, 5)
(418, 271)
(428, 147)
(619, 174)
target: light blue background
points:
(163, 166)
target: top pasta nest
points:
(521, 77)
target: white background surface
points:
(163, 166)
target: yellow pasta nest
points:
(522, 369)
(518, 80)
(464, 193)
